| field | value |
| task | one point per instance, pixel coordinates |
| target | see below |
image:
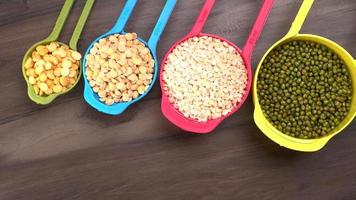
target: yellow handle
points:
(299, 19)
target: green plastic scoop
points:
(53, 37)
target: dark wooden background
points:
(70, 151)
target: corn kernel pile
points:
(119, 68)
(52, 68)
(205, 78)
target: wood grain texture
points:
(69, 151)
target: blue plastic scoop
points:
(89, 95)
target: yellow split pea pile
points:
(52, 68)
(119, 68)
(205, 78)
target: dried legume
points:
(205, 78)
(119, 68)
(304, 89)
(52, 68)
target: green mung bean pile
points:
(304, 89)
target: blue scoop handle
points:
(161, 24)
(119, 26)
(124, 17)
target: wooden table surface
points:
(68, 150)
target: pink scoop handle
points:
(203, 16)
(257, 28)
(184, 123)
(194, 126)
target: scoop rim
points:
(120, 107)
(211, 123)
(45, 100)
(306, 145)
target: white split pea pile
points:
(205, 78)
(119, 68)
(52, 68)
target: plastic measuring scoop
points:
(89, 95)
(53, 37)
(307, 145)
(192, 125)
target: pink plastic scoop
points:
(192, 125)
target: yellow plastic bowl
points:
(306, 145)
